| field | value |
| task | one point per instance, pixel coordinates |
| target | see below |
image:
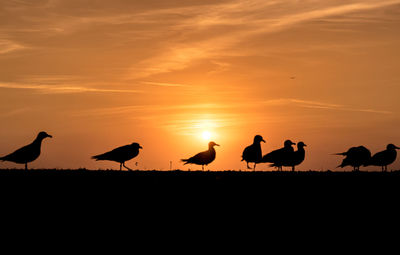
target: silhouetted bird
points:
(355, 157)
(121, 154)
(295, 158)
(384, 158)
(278, 157)
(203, 158)
(27, 153)
(252, 153)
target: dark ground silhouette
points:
(263, 193)
(187, 178)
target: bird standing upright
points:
(278, 157)
(295, 158)
(121, 154)
(253, 153)
(384, 158)
(27, 153)
(203, 158)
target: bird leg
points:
(255, 164)
(26, 166)
(292, 168)
(202, 167)
(120, 167)
(126, 167)
(248, 165)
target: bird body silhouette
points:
(120, 154)
(355, 157)
(295, 158)
(203, 158)
(278, 157)
(27, 153)
(384, 158)
(253, 153)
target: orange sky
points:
(100, 74)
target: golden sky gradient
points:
(98, 74)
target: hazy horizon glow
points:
(171, 75)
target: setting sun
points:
(206, 135)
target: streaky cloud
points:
(321, 105)
(164, 84)
(7, 46)
(62, 89)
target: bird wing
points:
(119, 154)
(273, 156)
(378, 158)
(199, 159)
(21, 155)
(247, 152)
(293, 158)
(350, 151)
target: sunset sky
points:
(98, 74)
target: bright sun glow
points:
(206, 135)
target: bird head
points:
(258, 139)
(212, 144)
(301, 145)
(42, 135)
(289, 143)
(136, 145)
(392, 147)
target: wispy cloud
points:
(322, 105)
(15, 112)
(237, 107)
(63, 89)
(7, 46)
(243, 20)
(164, 84)
(290, 20)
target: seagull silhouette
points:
(355, 157)
(203, 158)
(253, 153)
(27, 153)
(120, 154)
(278, 157)
(384, 158)
(295, 158)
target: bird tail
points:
(185, 160)
(98, 157)
(340, 154)
(341, 166)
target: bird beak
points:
(140, 147)
(217, 144)
(397, 147)
(50, 136)
(293, 143)
(263, 140)
(305, 145)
